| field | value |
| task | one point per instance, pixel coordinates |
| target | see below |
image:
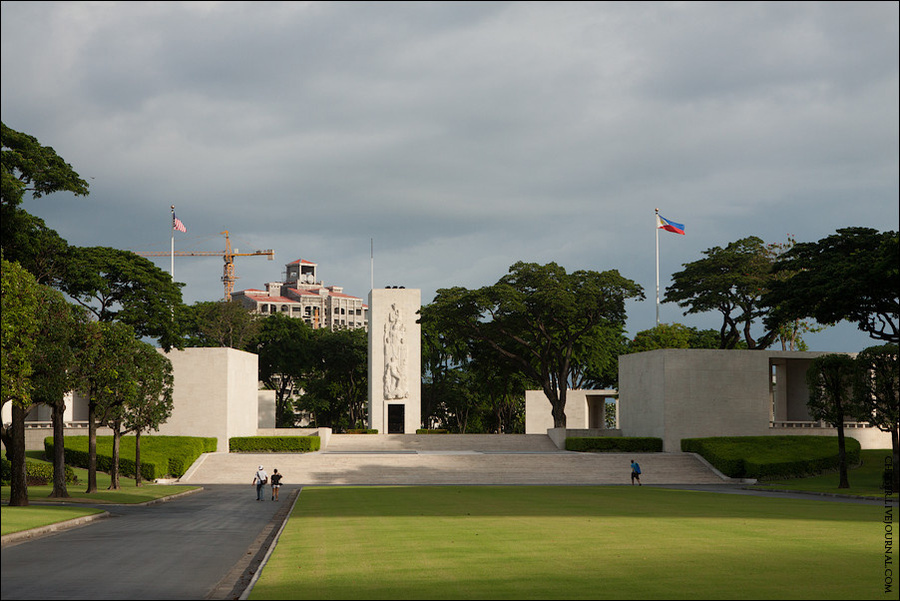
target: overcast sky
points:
(459, 137)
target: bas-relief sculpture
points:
(395, 356)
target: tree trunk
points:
(137, 457)
(114, 468)
(92, 448)
(18, 483)
(60, 491)
(842, 456)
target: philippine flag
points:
(669, 226)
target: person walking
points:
(635, 473)
(260, 480)
(276, 484)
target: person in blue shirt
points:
(635, 473)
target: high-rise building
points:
(302, 295)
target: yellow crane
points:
(228, 277)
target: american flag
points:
(176, 224)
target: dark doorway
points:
(396, 419)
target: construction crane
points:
(228, 277)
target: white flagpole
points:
(656, 225)
(172, 262)
(372, 261)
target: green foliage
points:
(768, 457)
(852, 275)
(432, 431)
(274, 444)
(615, 444)
(674, 335)
(118, 285)
(160, 455)
(729, 280)
(38, 473)
(286, 355)
(362, 431)
(219, 324)
(336, 389)
(554, 328)
(19, 293)
(29, 167)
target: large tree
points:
(729, 280)
(151, 405)
(877, 391)
(285, 348)
(336, 387)
(118, 285)
(537, 316)
(105, 377)
(54, 366)
(19, 293)
(852, 275)
(830, 381)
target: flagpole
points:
(172, 262)
(657, 267)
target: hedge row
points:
(434, 431)
(160, 455)
(274, 444)
(615, 444)
(362, 431)
(772, 457)
(37, 473)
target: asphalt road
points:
(200, 546)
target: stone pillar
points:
(395, 361)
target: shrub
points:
(274, 444)
(615, 444)
(772, 457)
(435, 431)
(362, 431)
(160, 455)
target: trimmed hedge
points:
(160, 455)
(361, 431)
(274, 444)
(37, 473)
(772, 457)
(615, 444)
(435, 431)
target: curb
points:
(18, 537)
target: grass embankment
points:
(571, 542)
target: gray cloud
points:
(461, 137)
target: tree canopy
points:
(537, 316)
(118, 285)
(852, 275)
(729, 280)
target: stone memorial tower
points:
(395, 361)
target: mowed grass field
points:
(572, 543)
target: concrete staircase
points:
(444, 459)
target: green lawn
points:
(572, 542)
(865, 480)
(16, 519)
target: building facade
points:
(302, 295)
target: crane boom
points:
(228, 276)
